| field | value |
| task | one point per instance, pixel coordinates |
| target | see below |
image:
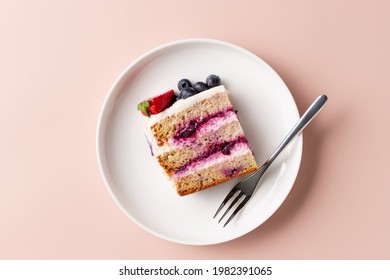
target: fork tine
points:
(229, 196)
(237, 198)
(239, 207)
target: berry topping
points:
(156, 104)
(187, 92)
(159, 103)
(201, 86)
(183, 83)
(175, 97)
(213, 81)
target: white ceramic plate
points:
(266, 110)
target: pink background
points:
(59, 58)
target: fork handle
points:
(310, 113)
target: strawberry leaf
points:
(143, 107)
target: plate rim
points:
(99, 141)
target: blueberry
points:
(183, 83)
(187, 92)
(213, 81)
(201, 86)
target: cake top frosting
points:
(184, 103)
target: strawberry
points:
(156, 104)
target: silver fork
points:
(246, 187)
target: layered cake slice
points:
(199, 142)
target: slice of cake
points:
(199, 142)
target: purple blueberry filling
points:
(188, 129)
(226, 149)
(223, 147)
(232, 172)
(150, 145)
